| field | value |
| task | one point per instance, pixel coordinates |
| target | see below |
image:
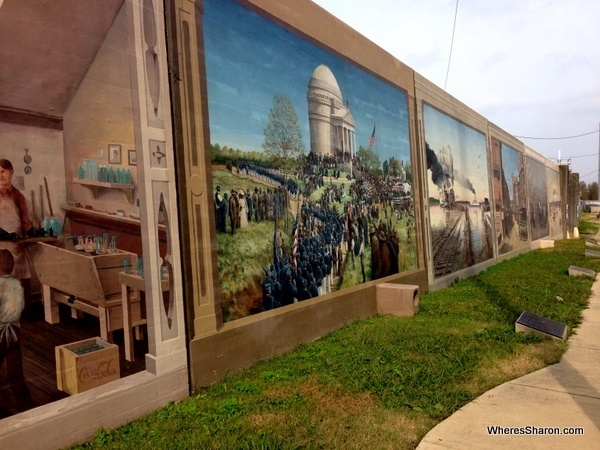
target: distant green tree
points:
(394, 167)
(386, 168)
(593, 190)
(584, 193)
(283, 137)
(408, 170)
(215, 152)
(370, 160)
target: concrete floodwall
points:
(283, 167)
(383, 177)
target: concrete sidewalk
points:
(566, 394)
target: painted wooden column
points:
(156, 184)
(188, 83)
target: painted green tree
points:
(283, 137)
(370, 160)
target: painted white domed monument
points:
(332, 129)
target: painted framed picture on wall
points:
(114, 154)
(132, 158)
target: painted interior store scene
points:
(319, 175)
(70, 241)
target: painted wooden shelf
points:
(126, 228)
(97, 186)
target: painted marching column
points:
(157, 191)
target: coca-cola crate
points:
(86, 364)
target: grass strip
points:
(382, 382)
(589, 224)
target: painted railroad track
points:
(446, 245)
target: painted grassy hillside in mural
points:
(458, 190)
(312, 177)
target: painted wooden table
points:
(83, 281)
(132, 288)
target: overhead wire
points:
(579, 156)
(451, 44)
(572, 157)
(561, 137)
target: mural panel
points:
(70, 225)
(538, 199)
(510, 197)
(554, 214)
(459, 205)
(312, 177)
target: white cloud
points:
(530, 66)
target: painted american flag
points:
(295, 248)
(372, 138)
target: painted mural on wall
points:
(554, 209)
(510, 197)
(312, 177)
(538, 199)
(459, 200)
(59, 261)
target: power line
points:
(580, 156)
(451, 44)
(573, 157)
(562, 137)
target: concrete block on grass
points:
(542, 243)
(575, 271)
(532, 323)
(592, 253)
(401, 300)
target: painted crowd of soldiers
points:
(242, 206)
(237, 206)
(307, 272)
(326, 239)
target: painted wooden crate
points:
(78, 370)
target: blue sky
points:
(468, 149)
(530, 67)
(249, 60)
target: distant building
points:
(332, 128)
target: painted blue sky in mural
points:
(249, 60)
(469, 153)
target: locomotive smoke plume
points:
(464, 182)
(440, 172)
